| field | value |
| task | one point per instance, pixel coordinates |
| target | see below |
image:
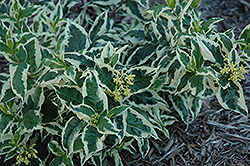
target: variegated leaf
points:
(76, 37)
(194, 104)
(245, 36)
(138, 126)
(197, 84)
(100, 26)
(142, 54)
(34, 56)
(136, 36)
(209, 24)
(105, 125)
(7, 93)
(106, 77)
(181, 106)
(134, 10)
(70, 132)
(144, 146)
(71, 95)
(116, 111)
(51, 77)
(144, 3)
(92, 140)
(144, 77)
(6, 121)
(19, 79)
(116, 56)
(94, 95)
(97, 160)
(231, 97)
(31, 120)
(147, 100)
(55, 148)
(203, 50)
(159, 10)
(225, 42)
(62, 161)
(106, 2)
(83, 112)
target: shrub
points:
(89, 86)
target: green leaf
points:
(171, 3)
(19, 79)
(55, 148)
(116, 111)
(70, 95)
(77, 38)
(196, 3)
(31, 119)
(70, 132)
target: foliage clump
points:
(89, 86)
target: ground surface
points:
(218, 137)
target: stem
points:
(178, 18)
(17, 58)
(113, 13)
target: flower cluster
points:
(94, 120)
(122, 81)
(236, 72)
(25, 152)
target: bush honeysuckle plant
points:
(88, 86)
